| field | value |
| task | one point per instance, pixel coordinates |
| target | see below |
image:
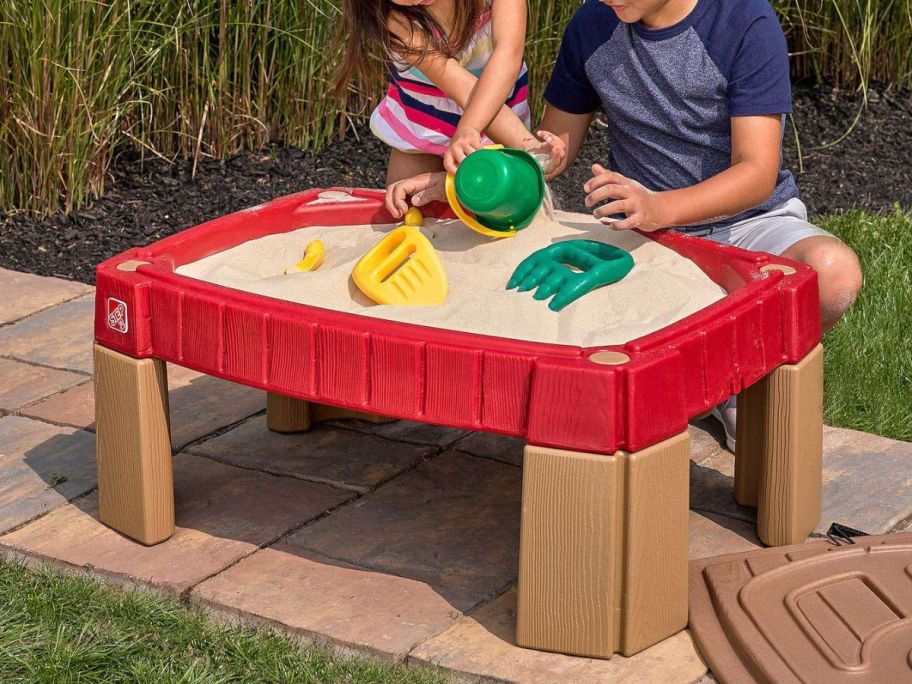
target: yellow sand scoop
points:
(402, 269)
(313, 259)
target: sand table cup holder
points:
(603, 543)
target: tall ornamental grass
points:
(80, 79)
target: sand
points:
(662, 288)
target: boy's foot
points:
(726, 413)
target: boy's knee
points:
(839, 274)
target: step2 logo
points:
(117, 316)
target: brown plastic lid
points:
(812, 612)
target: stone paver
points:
(707, 438)
(222, 513)
(714, 535)
(199, 404)
(24, 293)
(23, 383)
(60, 336)
(482, 645)
(453, 522)
(499, 447)
(325, 454)
(405, 431)
(712, 484)
(41, 467)
(867, 481)
(330, 600)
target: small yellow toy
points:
(413, 217)
(402, 269)
(313, 258)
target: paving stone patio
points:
(398, 540)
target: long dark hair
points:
(368, 45)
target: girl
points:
(456, 76)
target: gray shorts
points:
(772, 232)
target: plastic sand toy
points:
(313, 258)
(497, 191)
(568, 270)
(402, 269)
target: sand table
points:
(662, 288)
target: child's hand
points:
(424, 188)
(548, 150)
(644, 208)
(465, 141)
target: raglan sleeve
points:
(759, 80)
(569, 87)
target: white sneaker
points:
(726, 413)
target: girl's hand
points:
(423, 188)
(645, 209)
(548, 150)
(465, 141)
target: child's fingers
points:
(611, 191)
(629, 223)
(624, 206)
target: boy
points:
(695, 93)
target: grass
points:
(80, 79)
(868, 356)
(61, 628)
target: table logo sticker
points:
(117, 315)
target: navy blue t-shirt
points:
(669, 94)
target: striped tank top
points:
(416, 116)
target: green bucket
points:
(503, 187)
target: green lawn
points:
(61, 628)
(869, 354)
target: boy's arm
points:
(748, 182)
(487, 97)
(570, 128)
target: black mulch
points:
(871, 168)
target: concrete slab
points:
(405, 431)
(331, 601)
(23, 383)
(482, 646)
(41, 467)
(60, 336)
(453, 523)
(24, 293)
(324, 454)
(223, 514)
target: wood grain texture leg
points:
(603, 549)
(135, 481)
(287, 414)
(780, 446)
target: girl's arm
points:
(457, 83)
(508, 25)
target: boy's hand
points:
(548, 150)
(423, 189)
(644, 208)
(465, 141)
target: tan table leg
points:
(287, 414)
(603, 549)
(779, 455)
(135, 484)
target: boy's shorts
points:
(773, 232)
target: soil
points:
(839, 167)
